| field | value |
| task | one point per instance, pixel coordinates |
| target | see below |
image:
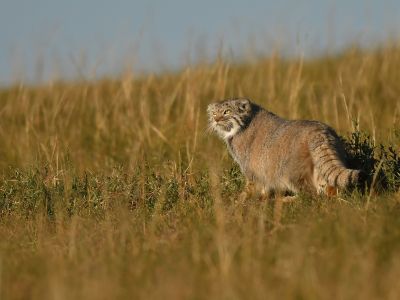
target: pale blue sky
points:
(43, 39)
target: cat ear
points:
(244, 104)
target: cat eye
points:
(227, 112)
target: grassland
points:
(114, 190)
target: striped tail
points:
(329, 161)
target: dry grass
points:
(114, 189)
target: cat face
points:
(228, 117)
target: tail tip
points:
(359, 179)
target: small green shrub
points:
(380, 163)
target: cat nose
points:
(218, 118)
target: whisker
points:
(210, 128)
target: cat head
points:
(228, 117)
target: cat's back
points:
(267, 129)
(265, 123)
